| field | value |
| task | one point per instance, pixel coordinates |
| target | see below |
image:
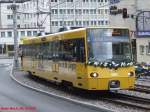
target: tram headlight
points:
(131, 74)
(94, 74)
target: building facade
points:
(72, 13)
(141, 44)
(6, 27)
(34, 16)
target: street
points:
(14, 95)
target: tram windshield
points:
(107, 45)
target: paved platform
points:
(54, 90)
(5, 56)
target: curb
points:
(6, 57)
(61, 97)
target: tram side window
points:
(36, 50)
(50, 50)
(27, 50)
(23, 50)
(41, 51)
(72, 50)
(44, 50)
(32, 50)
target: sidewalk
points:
(51, 89)
(5, 56)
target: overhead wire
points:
(105, 5)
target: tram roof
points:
(38, 39)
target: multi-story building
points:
(139, 23)
(78, 13)
(6, 27)
(34, 16)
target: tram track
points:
(119, 98)
(111, 97)
(128, 100)
(144, 80)
(142, 88)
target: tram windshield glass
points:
(108, 45)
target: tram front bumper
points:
(110, 83)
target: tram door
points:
(55, 65)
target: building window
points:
(95, 22)
(106, 11)
(60, 11)
(106, 22)
(91, 11)
(68, 11)
(53, 0)
(84, 11)
(72, 11)
(141, 49)
(78, 11)
(80, 23)
(56, 23)
(18, 17)
(9, 34)
(102, 22)
(64, 11)
(87, 22)
(53, 23)
(72, 23)
(77, 23)
(84, 23)
(35, 33)
(87, 11)
(69, 23)
(148, 49)
(22, 33)
(92, 23)
(17, 6)
(94, 11)
(8, 7)
(17, 33)
(69, 0)
(54, 11)
(28, 33)
(9, 16)
(2, 34)
(64, 23)
(61, 23)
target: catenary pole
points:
(14, 10)
(38, 15)
(50, 16)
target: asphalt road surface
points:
(14, 96)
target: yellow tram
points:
(87, 58)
